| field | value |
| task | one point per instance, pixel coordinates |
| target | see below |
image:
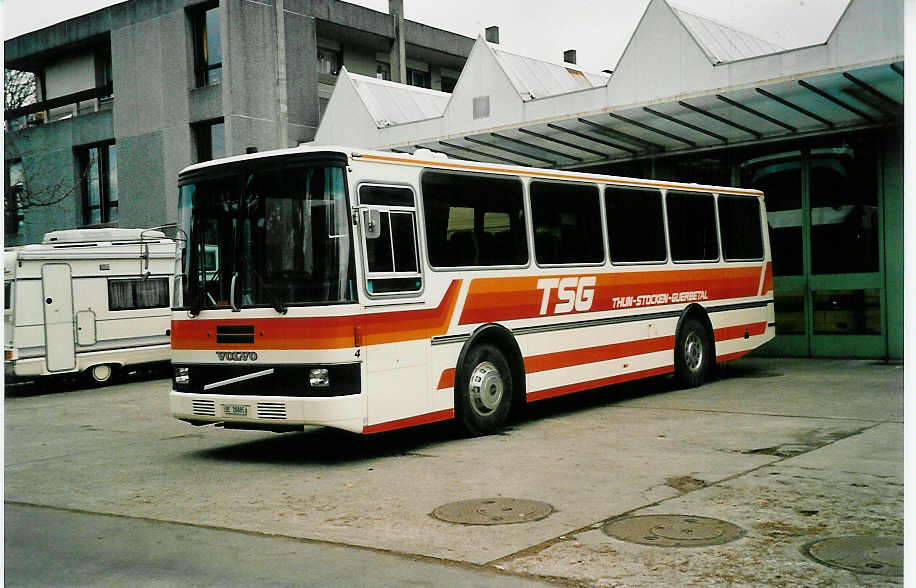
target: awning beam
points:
(636, 123)
(621, 135)
(509, 150)
(535, 147)
(795, 107)
(871, 90)
(481, 153)
(595, 139)
(686, 124)
(562, 142)
(757, 113)
(836, 101)
(721, 119)
(897, 69)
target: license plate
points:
(236, 410)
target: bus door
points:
(396, 364)
(57, 292)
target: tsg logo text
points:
(574, 293)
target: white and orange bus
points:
(371, 291)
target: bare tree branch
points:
(19, 88)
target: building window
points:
(448, 84)
(136, 294)
(208, 53)
(382, 70)
(210, 139)
(418, 78)
(12, 201)
(329, 61)
(98, 166)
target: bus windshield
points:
(266, 238)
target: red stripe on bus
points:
(737, 331)
(423, 419)
(580, 386)
(335, 332)
(731, 356)
(573, 357)
(447, 379)
(502, 299)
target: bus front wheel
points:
(483, 395)
(692, 354)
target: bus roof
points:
(431, 159)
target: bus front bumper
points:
(269, 413)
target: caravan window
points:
(135, 294)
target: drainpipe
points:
(399, 47)
(282, 106)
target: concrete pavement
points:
(790, 450)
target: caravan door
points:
(57, 292)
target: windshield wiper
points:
(278, 304)
(199, 300)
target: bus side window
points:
(473, 220)
(389, 223)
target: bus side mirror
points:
(372, 223)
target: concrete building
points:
(818, 128)
(128, 95)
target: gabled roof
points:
(534, 78)
(722, 43)
(391, 103)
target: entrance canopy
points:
(684, 83)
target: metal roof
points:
(534, 78)
(722, 43)
(859, 98)
(390, 103)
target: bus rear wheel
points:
(483, 394)
(692, 354)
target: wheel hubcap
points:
(486, 388)
(693, 351)
(101, 373)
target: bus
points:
(371, 291)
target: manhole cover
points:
(673, 530)
(865, 555)
(493, 511)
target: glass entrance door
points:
(825, 227)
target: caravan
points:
(90, 301)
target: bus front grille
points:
(204, 407)
(271, 410)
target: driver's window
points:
(388, 218)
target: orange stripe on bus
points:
(501, 299)
(339, 332)
(580, 177)
(766, 285)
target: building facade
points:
(128, 95)
(818, 128)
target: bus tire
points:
(692, 354)
(483, 391)
(102, 374)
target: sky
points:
(598, 29)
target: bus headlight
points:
(319, 378)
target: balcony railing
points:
(39, 113)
